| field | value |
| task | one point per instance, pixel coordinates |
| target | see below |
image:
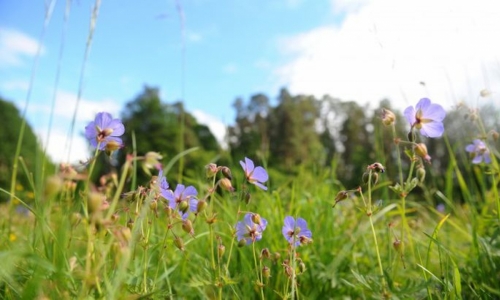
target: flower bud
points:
(242, 243)
(265, 253)
(112, 146)
(179, 243)
(266, 272)
(366, 177)
(220, 250)
(115, 217)
(388, 117)
(485, 93)
(342, 195)
(225, 183)
(420, 174)
(183, 206)
(377, 167)
(256, 218)
(227, 173)
(211, 169)
(187, 226)
(152, 160)
(202, 204)
(411, 136)
(421, 150)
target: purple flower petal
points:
(190, 191)
(169, 195)
(117, 126)
(435, 112)
(260, 174)
(410, 115)
(260, 185)
(304, 231)
(179, 189)
(423, 104)
(193, 205)
(249, 165)
(103, 119)
(470, 148)
(432, 130)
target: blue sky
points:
(362, 50)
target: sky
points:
(208, 53)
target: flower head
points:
(103, 130)
(254, 175)
(388, 117)
(296, 232)
(479, 152)
(182, 199)
(426, 117)
(248, 230)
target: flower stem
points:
(370, 216)
(378, 257)
(259, 280)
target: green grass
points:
(62, 246)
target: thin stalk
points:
(259, 280)
(370, 215)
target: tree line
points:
(288, 134)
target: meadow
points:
(235, 232)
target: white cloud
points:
(66, 103)
(385, 48)
(56, 147)
(15, 47)
(215, 125)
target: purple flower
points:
(479, 152)
(251, 228)
(296, 232)
(162, 182)
(182, 199)
(427, 117)
(103, 130)
(254, 175)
